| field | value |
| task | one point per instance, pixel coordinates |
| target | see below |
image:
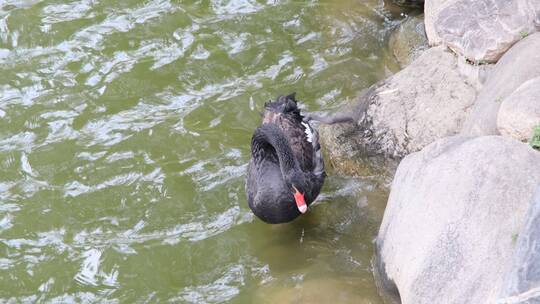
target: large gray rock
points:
(520, 112)
(426, 101)
(481, 30)
(452, 218)
(522, 284)
(519, 64)
(409, 40)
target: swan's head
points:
(283, 104)
(300, 200)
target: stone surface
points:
(520, 111)
(432, 9)
(409, 40)
(523, 281)
(475, 75)
(519, 64)
(426, 101)
(450, 225)
(481, 30)
(345, 154)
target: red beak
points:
(300, 201)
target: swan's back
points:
(302, 138)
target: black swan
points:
(286, 170)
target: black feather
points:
(282, 156)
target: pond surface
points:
(124, 138)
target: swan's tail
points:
(328, 118)
(283, 104)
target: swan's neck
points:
(270, 134)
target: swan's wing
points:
(317, 175)
(298, 133)
(300, 138)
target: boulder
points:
(427, 100)
(432, 8)
(481, 30)
(520, 111)
(519, 64)
(522, 284)
(409, 40)
(449, 229)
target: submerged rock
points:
(426, 101)
(519, 64)
(324, 290)
(409, 40)
(454, 211)
(520, 111)
(481, 30)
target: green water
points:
(124, 138)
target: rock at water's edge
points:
(448, 233)
(426, 101)
(409, 40)
(345, 154)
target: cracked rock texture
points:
(480, 30)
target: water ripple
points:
(6, 222)
(113, 129)
(221, 290)
(18, 142)
(94, 35)
(228, 7)
(90, 272)
(56, 13)
(193, 232)
(75, 188)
